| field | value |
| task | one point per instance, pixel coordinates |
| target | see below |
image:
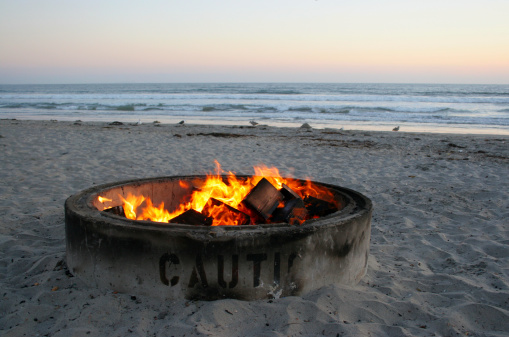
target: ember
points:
(228, 201)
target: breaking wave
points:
(412, 103)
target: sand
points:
(439, 257)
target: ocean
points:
(413, 107)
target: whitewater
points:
(414, 107)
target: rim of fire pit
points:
(354, 204)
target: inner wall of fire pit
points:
(172, 261)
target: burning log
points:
(223, 213)
(192, 217)
(318, 207)
(288, 193)
(117, 210)
(293, 212)
(263, 199)
(254, 200)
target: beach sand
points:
(439, 256)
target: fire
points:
(271, 174)
(131, 205)
(219, 198)
(103, 199)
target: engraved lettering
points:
(257, 260)
(277, 268)
(170, 259)
(292, 257)
(198, 274)
(235, 271)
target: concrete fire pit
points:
(172, 261)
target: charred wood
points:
(218, 210)
(117, 210)
(293, 212)
(288, 193)
(192, 217)
(318, 207)
(263, 199)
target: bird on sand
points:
(396, 128)
(253, 123)
(181, 122)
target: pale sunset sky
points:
(408, 41)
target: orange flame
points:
(131, 204)
(230, 192)
(225, 215)
(269, 173)
(103, 199)
(152, 213)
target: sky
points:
(389, 41)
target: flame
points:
(225, 215)
(269, 173)
(152, 213)
(309, 189)
(230, 192)
(103, 199)
(131, 204)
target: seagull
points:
(396, 128)
(253, 123)
(139, 122)
(181, 122)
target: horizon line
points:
(254, 82)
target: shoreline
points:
(439, 240)
(429, 128)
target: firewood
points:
(226, 212)
(117, 210)
(192, 217)
(318, 207)
(288, 193)
(263, 199)
(293, 212)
